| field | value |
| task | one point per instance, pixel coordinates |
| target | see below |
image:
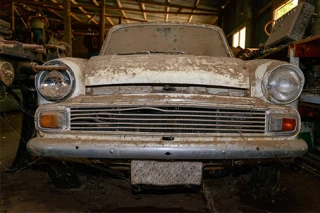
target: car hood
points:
(166, 69)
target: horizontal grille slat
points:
(165, 124)
(176, 120)
(172, 111)
(168, 120)
(168, 115)
(186, 128)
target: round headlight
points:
(284, 84)
(55, 85)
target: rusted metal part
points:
(4, 30)
(54, 46)
(182, 89)
(24, 51)
(38, 68)
(168, 150)
(6, 73)
(166, 173)
(309, 47)
(5, 24)
(163, 68)
(62, 47)
(167, 99)
(292, 25)
(31, 46)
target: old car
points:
(169, 100)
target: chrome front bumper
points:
(132, 149)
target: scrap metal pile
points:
(5, 31)
(19, 62)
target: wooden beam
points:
(143, 7)
(165, 4)
(144, 14)
(110, 21)
(91, 18)
(71, 13)
(67, 22)
(96, 3)
(215, 20)
(264, 9)
(84, 12)
(12, 17)
(102, 21)
(196, 3)
(121, 17)
(122, 10)
(168, 11)
(55, 12)
(108, 7)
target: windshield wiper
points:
(152, 52)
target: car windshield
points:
(162, 39)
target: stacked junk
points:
(19, 62)
(295, 37)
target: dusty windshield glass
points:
(155, 39)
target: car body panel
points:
(167, 69)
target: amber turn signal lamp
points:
(282, 123)
(288, 124)
(50, 120)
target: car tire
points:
(63, 176)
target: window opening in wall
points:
(284, 8)
(239, 38)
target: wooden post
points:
(249, 24)
(12, 16)
(67, 22)
(102, 21)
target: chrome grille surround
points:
(169, 120)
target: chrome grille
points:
(168, 120)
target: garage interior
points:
(33, 32)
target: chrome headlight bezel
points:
(68, 72)
(270, 96)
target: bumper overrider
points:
(167, 127)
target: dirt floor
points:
(29, 190)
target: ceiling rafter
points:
(93, 17)
(196, 3)
(108, 19)
(215, 20)
(96, 5)
(166, 4)
(55, 12)
(132, 19)
(95, 2)
(54, 6)
(168, 11)
(122, 10)
(85, 12)
(143, 7)
(72, 15)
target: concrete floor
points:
(29, 190)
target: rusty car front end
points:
(167, 102)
